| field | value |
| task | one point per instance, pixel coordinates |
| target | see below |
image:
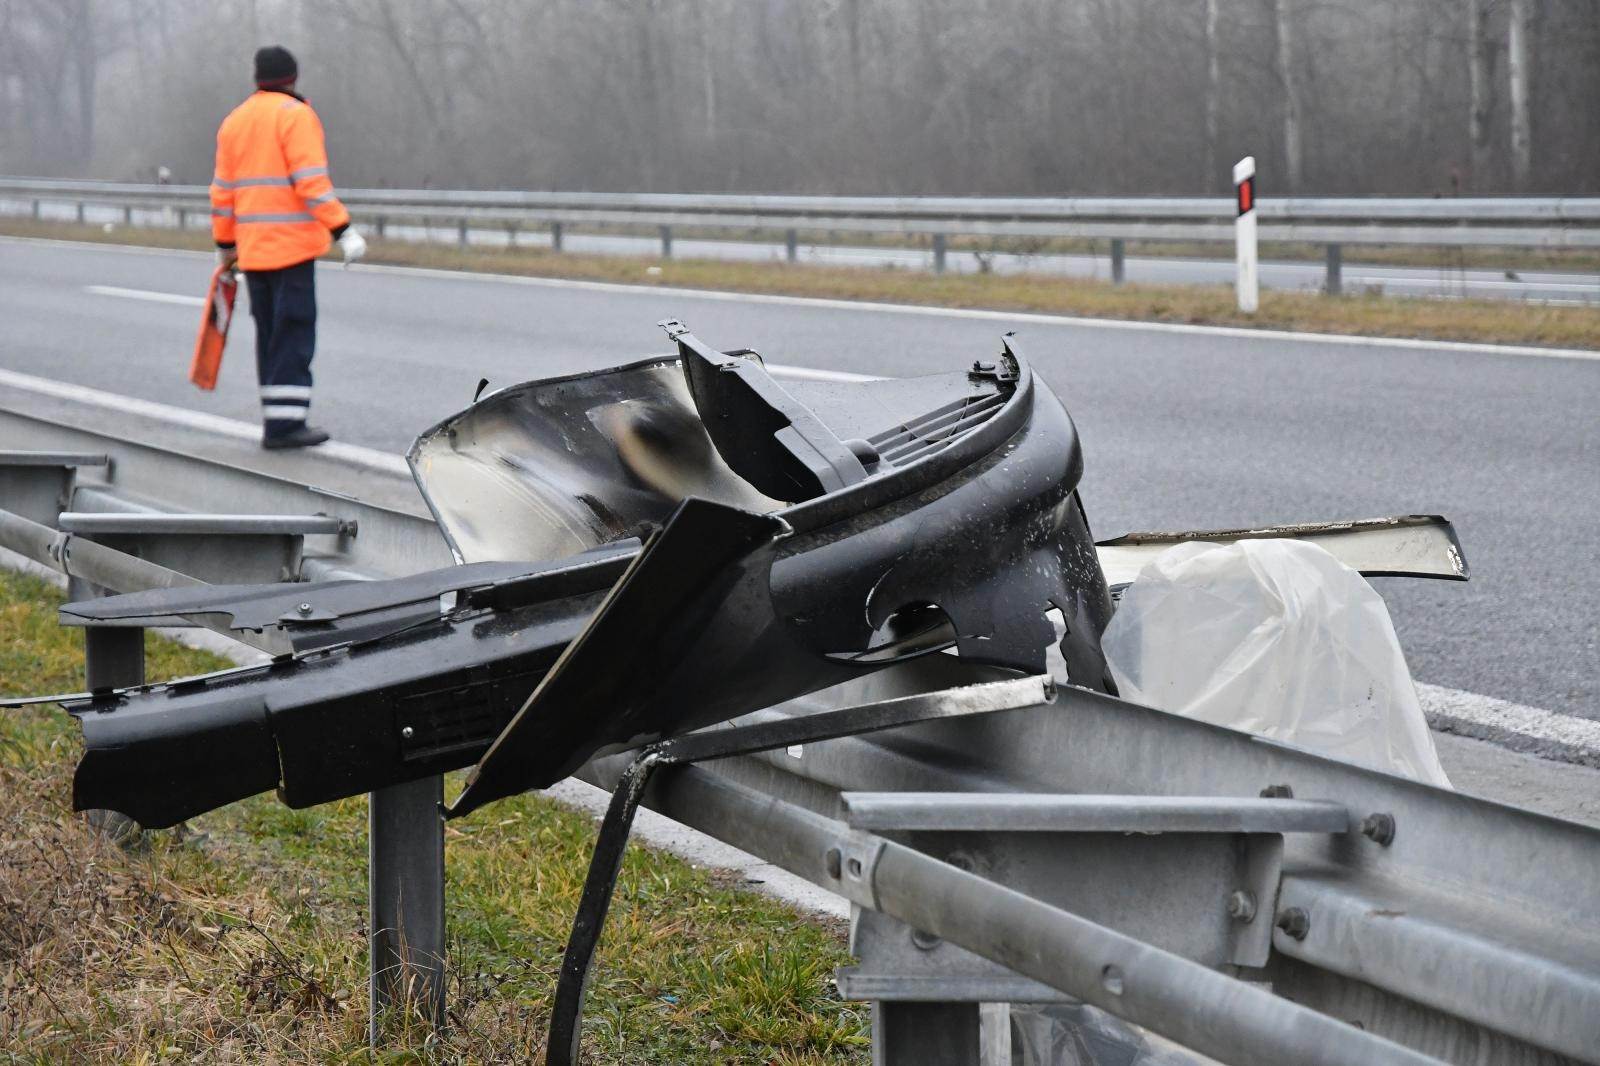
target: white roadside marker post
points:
(1244, 232)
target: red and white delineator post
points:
(1244, 234)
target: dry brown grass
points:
(1487, 321)
(109, 959)
(242, 939)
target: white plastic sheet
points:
(1276, 637)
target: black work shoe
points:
(303, 437)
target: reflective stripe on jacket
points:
(271, 195)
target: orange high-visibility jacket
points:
(271, 195)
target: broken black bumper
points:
(715, 542)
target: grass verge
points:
(1485, 321)
(242, 938)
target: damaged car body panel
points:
(1417, 545)
(969, 544)
(792, 538)
(328, 723)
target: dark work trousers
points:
(284, 305)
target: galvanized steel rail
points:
(1140, 870)
(1509, 222)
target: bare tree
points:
(1517, 74)
(1288, 80)
(1054, 97)
(1479, 76)
(1213, 95)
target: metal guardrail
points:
(1560, 222)
(1135, 869)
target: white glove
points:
(227, 257)
(353, 245)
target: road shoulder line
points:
(979, 314)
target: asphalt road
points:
(1444, 280)
(1181, 428)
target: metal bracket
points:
(39, 485)
(216, 548)
(851, 863)
(1194, 869)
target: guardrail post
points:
(113, 657)
(80, 212)
(938, 253)
(1335, 269)
(555, 236)
(461, 233)
(1118, 257)
(791, 245)
(127, 215)
(383, 224)
(183, 218)
(511, 234)
(36, 210)
(924, 1034)
(405, 887)
(666, 242)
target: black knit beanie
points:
(275, 67)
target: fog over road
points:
(1181, 427)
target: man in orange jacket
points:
(273, 212)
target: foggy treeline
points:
(1026, 97)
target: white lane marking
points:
(349, 454)
(146, 294)
(1238, 332)
(1449, 706)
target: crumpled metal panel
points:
(936, 514)
(728, 611)
(546, 469)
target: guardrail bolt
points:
(1277, 792)
(1295, 923)
(304, 608)
(923, 941)
(1242, 905)
(1379, 828)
